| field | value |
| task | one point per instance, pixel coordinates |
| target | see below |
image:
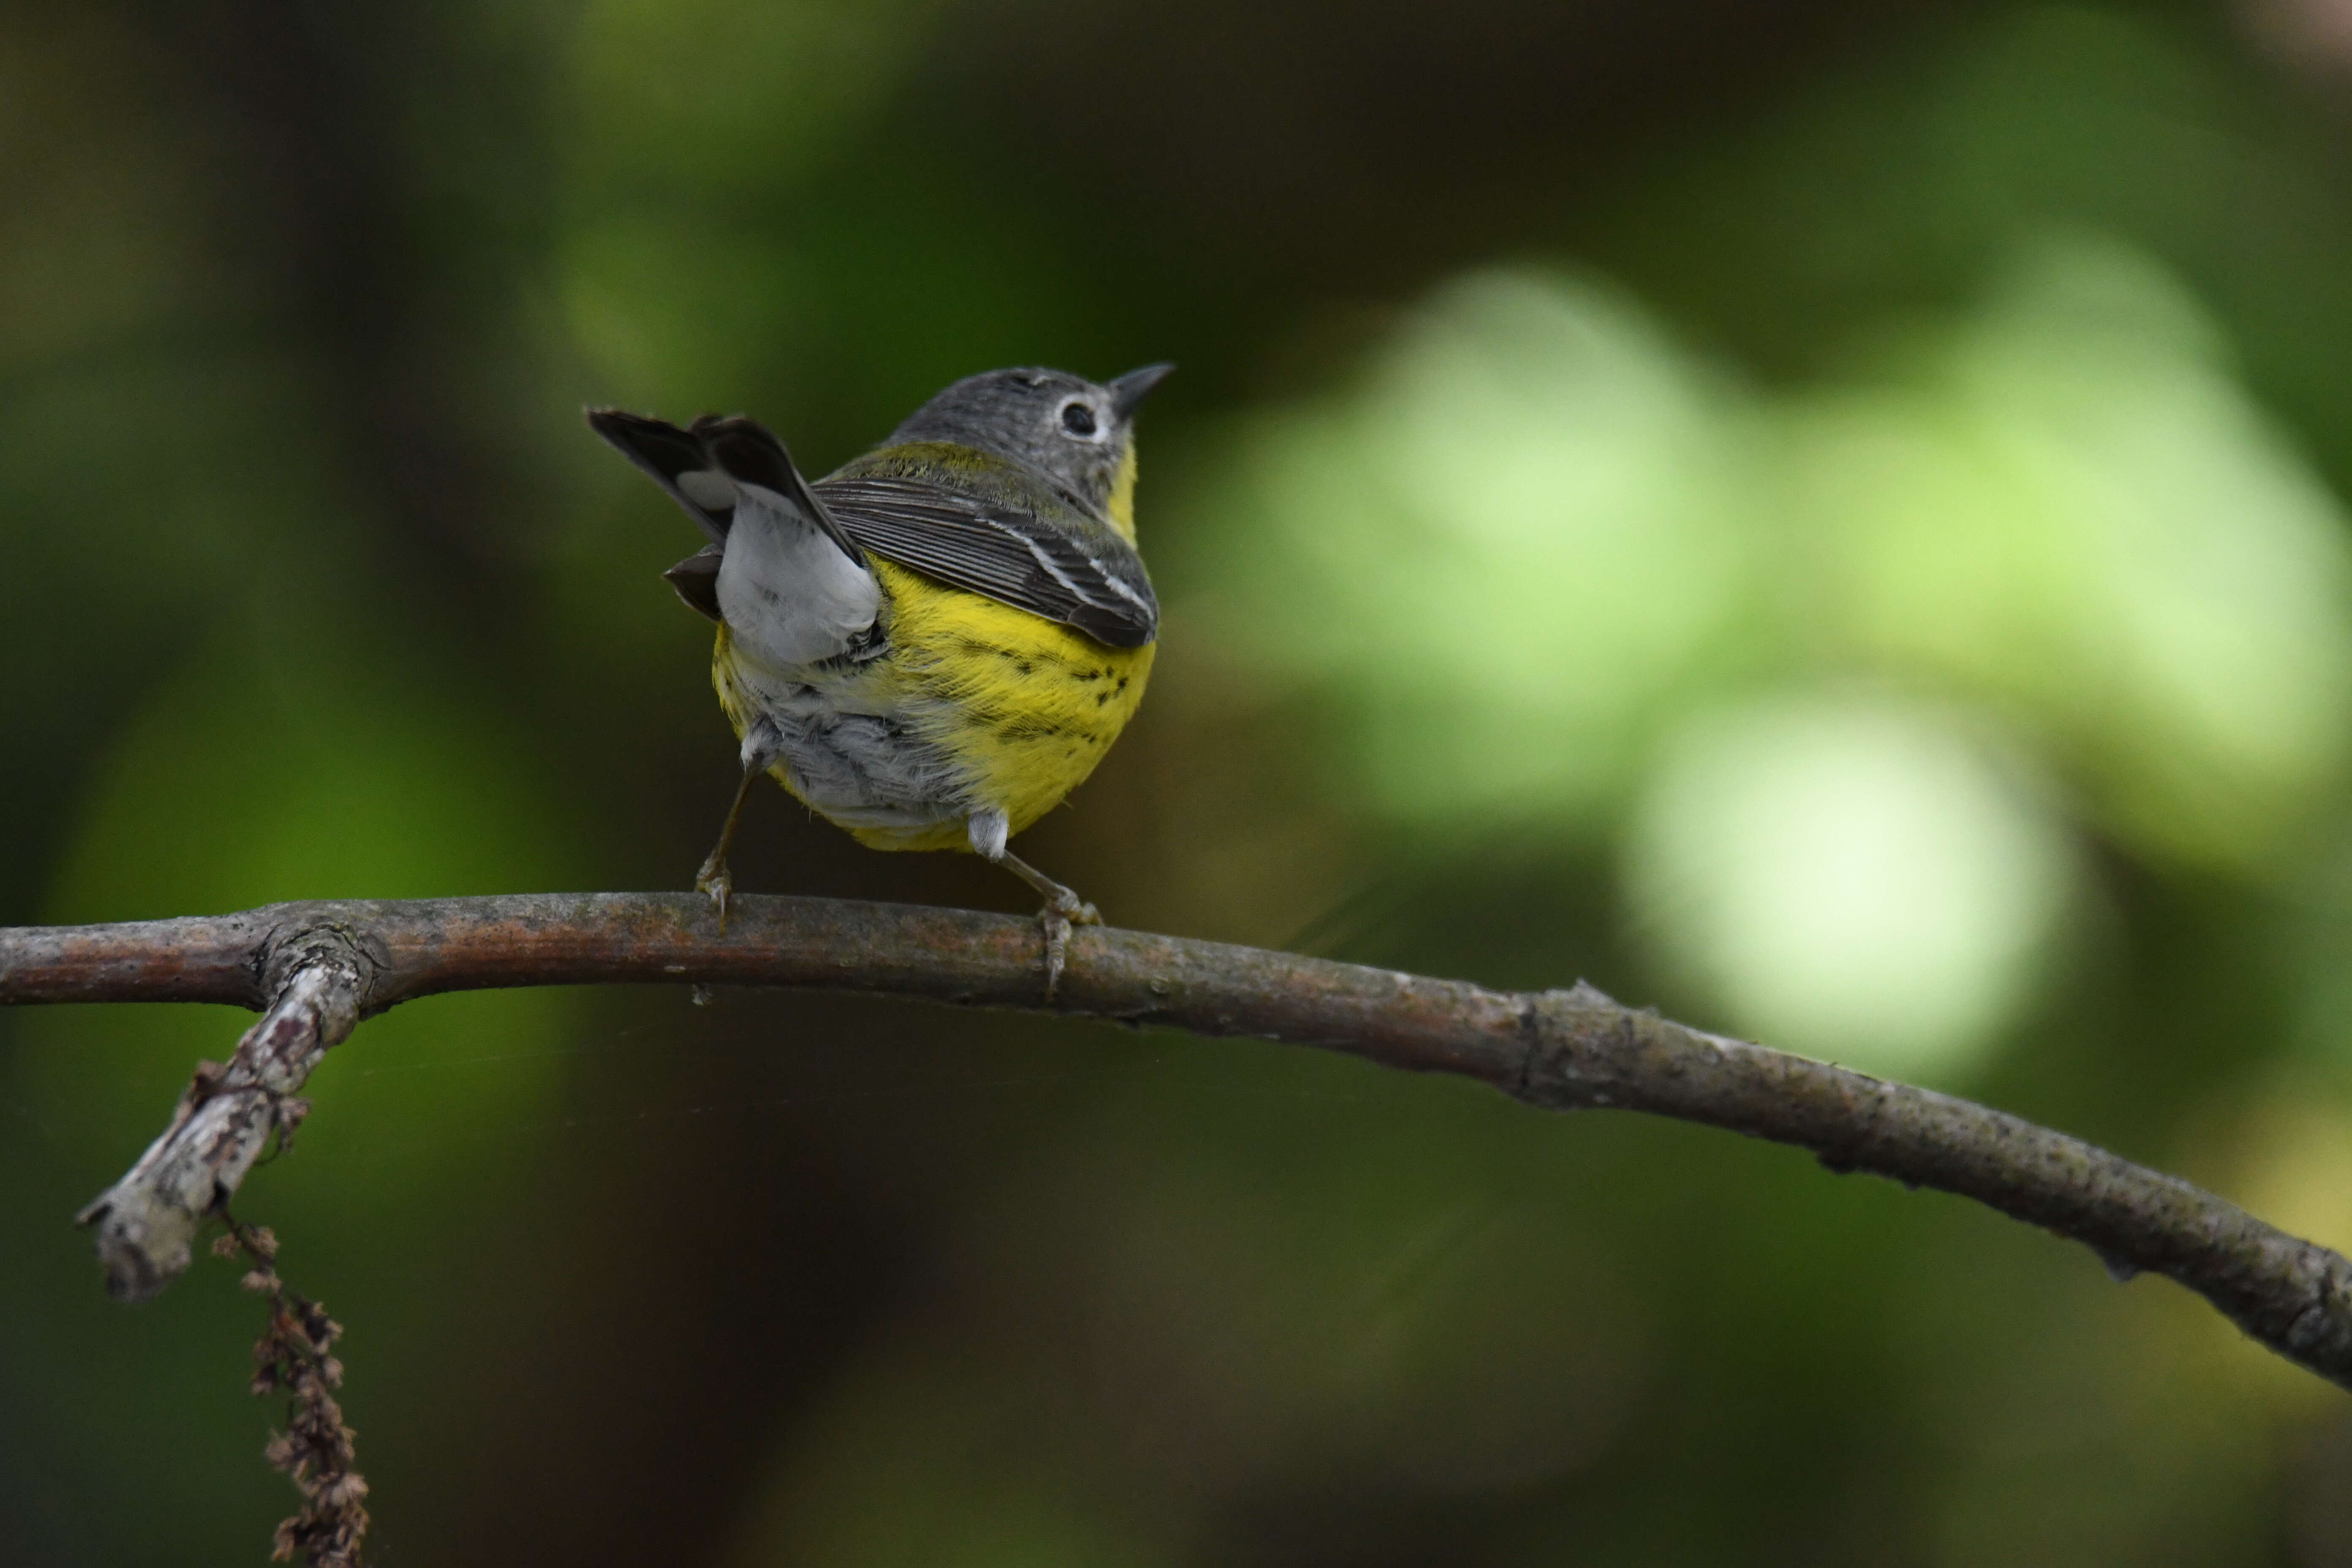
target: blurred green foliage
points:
(1828, 519)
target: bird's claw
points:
(716, 880)
(1056, 919)
(1056, 927)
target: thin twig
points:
(1558, 1049)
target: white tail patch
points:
(709, 489)
(789, 595)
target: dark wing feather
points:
(1088, 578)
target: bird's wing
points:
(1083, 576)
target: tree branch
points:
(317, 968)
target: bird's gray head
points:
(1066, 427)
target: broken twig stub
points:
(147, 1222)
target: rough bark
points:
(314, 969)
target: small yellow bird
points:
(933, 646)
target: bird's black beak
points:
(1130, 389)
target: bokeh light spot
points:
(1852, 880)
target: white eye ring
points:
(1080, 421)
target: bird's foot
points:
(1062, 911)
(716, 880)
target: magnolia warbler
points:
(933, 646)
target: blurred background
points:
(1829, 519)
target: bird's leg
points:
(1064, 908)
(762, 744)
(714, 878)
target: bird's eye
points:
(1078, 419)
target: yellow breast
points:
(1024, 707)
